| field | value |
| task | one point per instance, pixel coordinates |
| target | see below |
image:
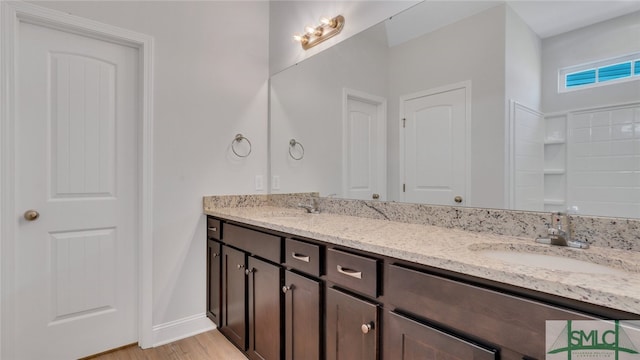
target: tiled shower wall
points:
(604, 158)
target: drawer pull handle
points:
(214, 229)
(350, 272)
(366, 328)
(300, 257)
(287, 288)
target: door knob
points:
(458, 199)
(31, 215)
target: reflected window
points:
(605, 72)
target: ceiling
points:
(545, 17)
(549, 18)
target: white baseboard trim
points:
(181, 328)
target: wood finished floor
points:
(211, 345)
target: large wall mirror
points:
(526, 105)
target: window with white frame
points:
(599, 73)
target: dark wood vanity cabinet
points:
(352, 327)
(513, 324)
(285, 298)
(264, 307)
(408, 339)
(303, 317)
(214, 270)
(351, 312)
(214, 279)
(303, 291)
(251, 295)
(234, 297)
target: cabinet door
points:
(302, 317)
(406, 339)
(214, 281)
(234, 286)
(352, 327)
(265, 282)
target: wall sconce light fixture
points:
(315, 35)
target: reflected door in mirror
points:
(435, 143)
(365, 148)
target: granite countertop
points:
(462, 252)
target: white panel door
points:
(76, 165)
(435, 148)
(364, 172)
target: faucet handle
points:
(556, 219)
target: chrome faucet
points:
(559, 233)
(311, 208)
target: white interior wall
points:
(290, 17)
(525, 136)
(210, 82)
(523, 64)
(471, 49)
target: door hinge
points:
(404, 123)
(404, 187)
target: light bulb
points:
(328, 22)
(309, 30)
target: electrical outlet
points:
(275, 183)
(259, 185)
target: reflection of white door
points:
(365, 144)
(76, 164)
(434, 146)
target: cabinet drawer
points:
(506, 320)
(302, 256)
(356, 272)
(266, 246)
(214, 229)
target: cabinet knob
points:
(215, 255)
(375, 196)
(240, 266)
(287, 288)
(366, 328)
(249, 271)
(458, 199)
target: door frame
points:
(381, 107)
(11, 15)
(466, 85)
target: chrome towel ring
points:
(238, 139)
(292, 145)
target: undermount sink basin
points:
(550, 262)
(285, 214)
